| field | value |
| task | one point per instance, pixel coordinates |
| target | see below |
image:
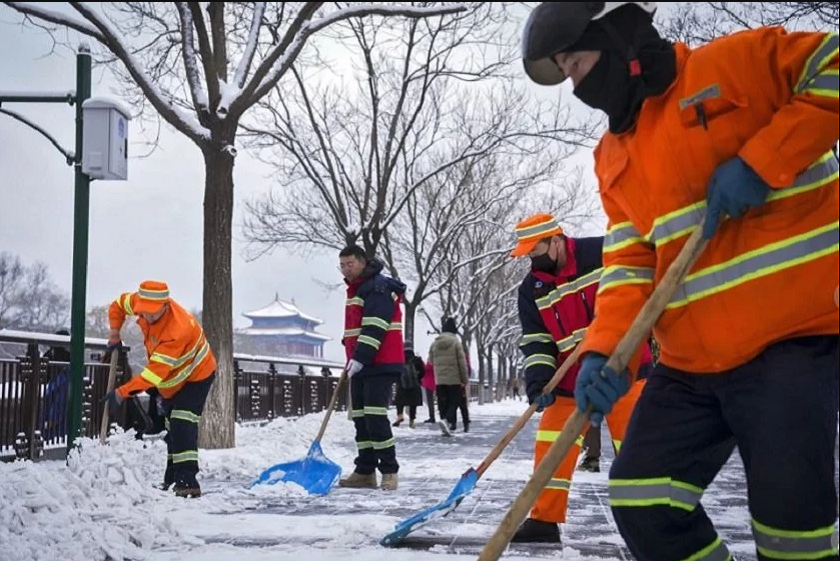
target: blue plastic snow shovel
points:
(315, 472)
(470, 478)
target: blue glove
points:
(543, 400)
(733, 189)
(599, 386)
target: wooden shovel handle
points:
(331, 407)
(112, 378)
(526, 416)
(638, 331)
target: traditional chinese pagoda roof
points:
(281, 309)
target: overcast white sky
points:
(147, 227)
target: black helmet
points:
(554, 27)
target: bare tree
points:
(699, 22)
(419, 244)
(201, 66)
(350, 153)
(29, 300)
(12, 273)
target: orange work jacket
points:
(770, 97)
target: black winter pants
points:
(369, 394)
(449, 400)
(183, 413)
(779, 410)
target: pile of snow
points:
(96, 505)
(102, 505)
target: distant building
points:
(281, 329)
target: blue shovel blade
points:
(315, 473)
(461, 489)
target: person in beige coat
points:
(450, 364)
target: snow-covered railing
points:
(35, 386)
(269, 387)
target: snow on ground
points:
(100, 504)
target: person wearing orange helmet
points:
(735, 137)
(180, 369)
(556, 303)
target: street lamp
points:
(96, 163)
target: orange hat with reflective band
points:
(531, 230)
(151, 296)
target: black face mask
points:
(609, 87)
(544, 263)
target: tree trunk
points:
(217, 421)
(481, 374)
(408, 323)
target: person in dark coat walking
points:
(409, 390)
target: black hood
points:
(622, 36)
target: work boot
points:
(411, 424)
(590, 464)
(537, 531)
(429, 421)
(188, 489)
(389, 482)
(187, 492)
(359, 481)
(444, 428)
(466, 427)
(398, 422)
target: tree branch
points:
(251, 47)
(55, 17)
(111, 39)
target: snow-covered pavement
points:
(101, 505)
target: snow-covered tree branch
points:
(174, 57)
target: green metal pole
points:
(81, 215)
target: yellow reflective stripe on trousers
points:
(376, 411)
(681, 222)
(552, 435)
(659, 491)
(818, 61)
(357, 413)
(620, 236)
(187, 456)
(791, 544)
(758, 263)
(715, 551)
(184, 415)
(364, 445)
(383, 444)
(556, 484)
